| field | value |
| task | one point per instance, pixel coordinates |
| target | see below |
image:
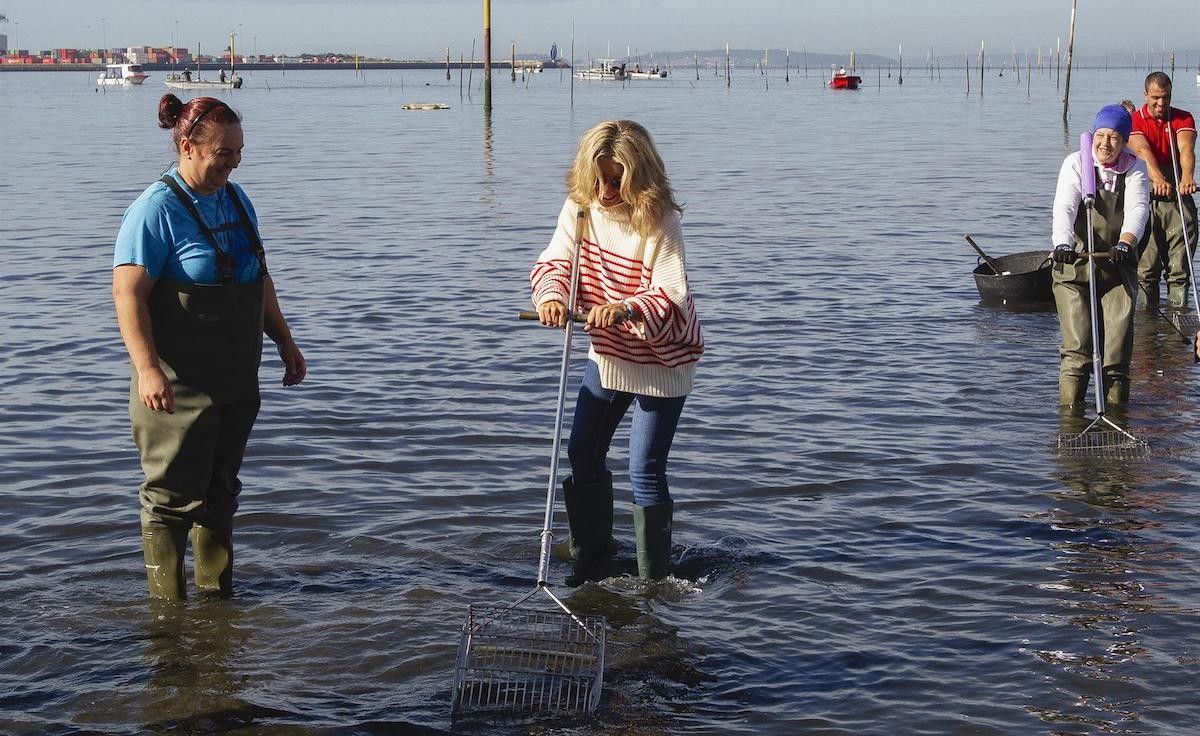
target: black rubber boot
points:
(212, 552)
(652, 525)
(590, 517)
(163, 548)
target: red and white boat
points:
(842, 79)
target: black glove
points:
(1063, 253)
(1121, 253)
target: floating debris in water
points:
(425, 106)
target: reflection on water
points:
(194, 649)
(1111, 619)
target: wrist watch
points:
(628, 309)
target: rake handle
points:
(986, 258)
(529, 314)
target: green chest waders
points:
(1115, 286)
(209, 340)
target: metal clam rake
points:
(1188, 323)
(1101, 438)
(520, 661)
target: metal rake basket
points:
(1187, 323)
(517, 662)
(1099, 440)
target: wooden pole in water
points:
(1028, 73)
(967, 66)
(447, 63)
(460, 75)
(726, 65)
(900, 71)
(787, 64)
(806, 62)
(513, 63)
(471, 68)
(981, 65)
(1070, 54)
(697, 66)
(487, 38)
(1058, 64)
(487, 56)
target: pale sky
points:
(422, 29)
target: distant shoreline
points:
(274, 66)
(504, 65)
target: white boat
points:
(612, 69)
(185, 79)
(652, 73)
(121, 74)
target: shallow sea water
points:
(873, 531)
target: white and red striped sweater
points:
(655, 355)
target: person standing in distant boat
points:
(1118, 219)
(193, 299)
(1156, 127)
(222, 76)
(645, 338)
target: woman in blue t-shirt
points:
(193, 299)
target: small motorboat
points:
(121, 74)
(653, 72)
(842, 79)
(605, 69)
(185, 80)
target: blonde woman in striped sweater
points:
(645, 338)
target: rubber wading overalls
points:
(1165, 232)
(209, 341)
(1115, 294)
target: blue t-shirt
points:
(160, 234)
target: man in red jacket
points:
(1156, 126)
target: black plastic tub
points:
(1024, 280)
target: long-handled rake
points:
(1186, 322)
(1101, 438)
(517, 661)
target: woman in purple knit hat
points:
(1118, 218)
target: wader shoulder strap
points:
(251, 231)
(224, 260)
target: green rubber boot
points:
(590, 518)
(212, 550)
(1116, 390)
(1072, 390)
(1149, 296)
(163, 548)
(652, 526)
(1177, 296)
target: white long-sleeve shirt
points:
(1068, 196)
(655, 355)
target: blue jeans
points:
(598, 411)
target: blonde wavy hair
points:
(645, 188)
